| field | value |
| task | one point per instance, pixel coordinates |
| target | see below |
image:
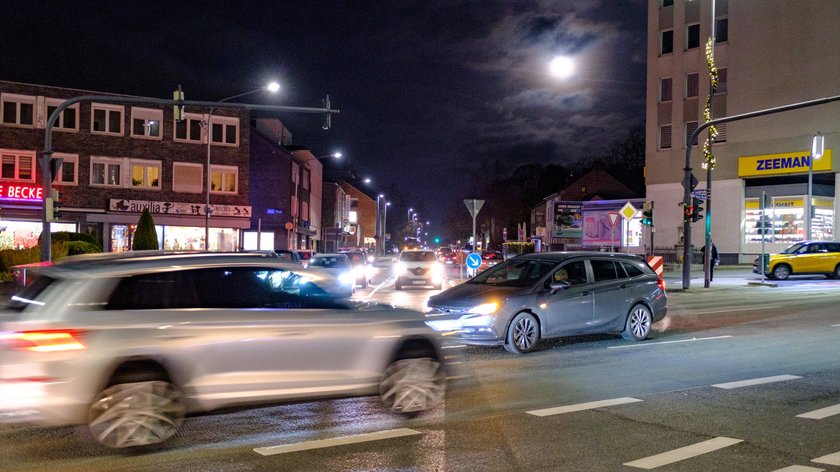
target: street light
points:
(817, 150)
(273, 87)
(385, 225)
(409, 213)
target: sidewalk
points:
(726, 276)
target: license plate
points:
(418, 282)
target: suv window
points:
(603, 270)
(425, 256)
(833, 247)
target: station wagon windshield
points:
(514, 273)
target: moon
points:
(561, 67)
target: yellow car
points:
(806, 257)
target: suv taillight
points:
(46, 340)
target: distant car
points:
(130, 344)
(339, 266)
(806, 257)
(287, 255)
(305, 255)
(489, 259)
(447, 256)
(551, 294)
(362, 269)
(418, 267)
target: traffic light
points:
(437, 240)
(53, 206)
(688, 211)
(696, 209)
(647, 214)
(178, 110)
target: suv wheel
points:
(412, 385)
(523, 334)
(637, 327)
(136, 414)
(781, 272)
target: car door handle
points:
(622, 286)
(583, 294)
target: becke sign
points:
(23, 192)
(787, 163)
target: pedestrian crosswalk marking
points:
(582, 406)
(759, 381)
(683, 453)
(821, 413)
(830, 459)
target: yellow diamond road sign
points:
(628, 211)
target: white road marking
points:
(340, 441)
(759, 381)
(683, 453)
(582, 406)
(821, 413)
(835, 326)
(728, 310)
(799, 468)
(643, 344)
(830, 459)
(376, 289)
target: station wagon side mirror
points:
(559, 285)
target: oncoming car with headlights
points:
(418, 267)
(129, 344)
(338, 266)
(545, 295)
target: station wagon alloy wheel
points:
(523, 334)
(638, 324)
(413, 385)
(136, 414)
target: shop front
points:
(783, 181)
(597, 225)
(20, 216)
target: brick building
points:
(118, 160)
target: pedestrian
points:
(712, 262)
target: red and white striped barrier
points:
(657, 264)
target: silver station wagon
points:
(546, 295)
(129, 345)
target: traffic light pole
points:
(686, 270)
(46, 155)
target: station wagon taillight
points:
(47, 340)
(661, 283)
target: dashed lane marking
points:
(799, 468)
(643, 344)
(582, 406)
(683, 453)
(340, 441)
(759, 381)
(821, 413)
(733, 310)
(830, 459)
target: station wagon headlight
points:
(399, 268)
(346, 278)
(477, 321)
(484, 309)
(358, 271)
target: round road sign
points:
(473, 260)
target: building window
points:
(189, 130)
(146, 123)
(68, 120)
(304, 211)
(224, 179)
(106, 171)
(666, 45)
(107, 119)
(690, 127)
(68, 171)
(667, 3)
(665, 137)
(722, 30)
(692, 85)
(305, 179)
(187, 178)
(17, 165)
(693, 36)
(225, 131)
(666, 87)
(18, 109)
(722, 79)
(145, 174)
(721, 136)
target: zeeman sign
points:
(776, 164)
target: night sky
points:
(426, 89)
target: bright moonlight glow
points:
(561, 67)
(273, 87)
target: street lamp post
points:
(384, 225)
(296, 212)
(208, 130)
(817, 149)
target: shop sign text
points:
(21, 192)
(789, 163)
(178, 208)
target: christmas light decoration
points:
(709, 161)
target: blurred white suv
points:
(418, 267)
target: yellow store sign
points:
(777, 164)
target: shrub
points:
(67, 236)
(13, 257)
(75, 248)
(145, 237)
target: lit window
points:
(17, 165)
(146, 123)
(18, 109)
(189, 130)
(145, 174)
(106, 119)
(223, 179)
(68, 120)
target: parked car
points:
(806, 257)
(130, 344)
(338, 265)
(362, 269)
(287, 255)
(489, 259)
(447, 256)
(305, 255)
(545, 295)
(418, 267)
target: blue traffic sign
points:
(473, 260)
